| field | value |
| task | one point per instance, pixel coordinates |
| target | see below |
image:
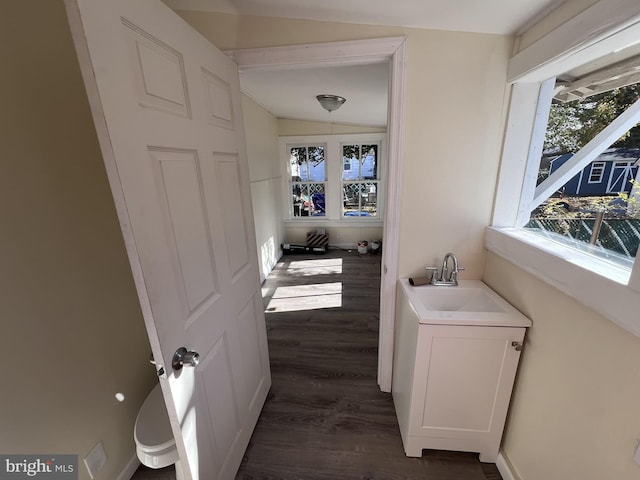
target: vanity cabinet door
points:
(462, 384)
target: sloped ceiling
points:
(291, 93)
(505, 17)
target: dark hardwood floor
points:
(325, 417)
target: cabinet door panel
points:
(467, 380)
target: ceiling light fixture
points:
(331, 102)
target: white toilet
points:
(155, 445)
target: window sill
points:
(595, 283)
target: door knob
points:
(184, 358)
(517, 346)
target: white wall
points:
(288, 127)
(266, 182)
(574, 414)
(72, 331)
(453, 125)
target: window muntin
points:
(308, 176)
(360, 180)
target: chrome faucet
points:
(447, 277)
(454, 272)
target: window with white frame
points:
(308, 177)
(360, 180)
(597, 172)
(570, 64)
(335, 178)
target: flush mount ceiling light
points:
(331, 102)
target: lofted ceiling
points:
(291, 93)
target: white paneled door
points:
(166, 105)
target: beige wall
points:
(287, 127)
(453, 124)
(574, 414)
(266, 182)
(72, 331)
(453, 128)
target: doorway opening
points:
(359, 52)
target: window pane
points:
(597, 171)
(307, 164)
(316, 164)
(297, 158)
(370, 199)
(608, 184)
(369, 160)
(350, 162)
(308, 199)
(360, 162)
(360, 199)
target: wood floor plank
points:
(325, 417)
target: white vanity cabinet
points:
(452, 378)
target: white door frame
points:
(392, 50)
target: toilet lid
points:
(153, 429)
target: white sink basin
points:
(458, 299)
(472, 302)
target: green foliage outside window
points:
(573, 124)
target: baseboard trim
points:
(505, 468)
(130, 468)
(343, 246)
